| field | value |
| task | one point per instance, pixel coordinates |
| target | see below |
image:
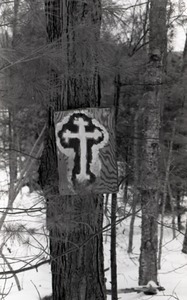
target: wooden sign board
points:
(86, 151)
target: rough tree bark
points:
(74, 222)
(151, 120)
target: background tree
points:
(149, 188)
(184, 75)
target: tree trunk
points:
(136, 178)
(151, 123)
(113, 256)
(74, 222)
(165, 189)
(12, 157)
(126, 180)
(12, 129)
(184, 73)
(172, 210)
(178, 202)
(113, 248)
(184, 248)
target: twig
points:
(11, 269)
(37, 290)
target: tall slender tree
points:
(184, 74)
(12, 111)
(74, 222)
(150, 173)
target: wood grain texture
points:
(107, 180)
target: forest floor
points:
(31, 245)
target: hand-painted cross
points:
(79, 134)
(85, 151)
(82, 136)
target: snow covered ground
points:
(172, 276)
(31, 245)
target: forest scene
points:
(93, 149)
